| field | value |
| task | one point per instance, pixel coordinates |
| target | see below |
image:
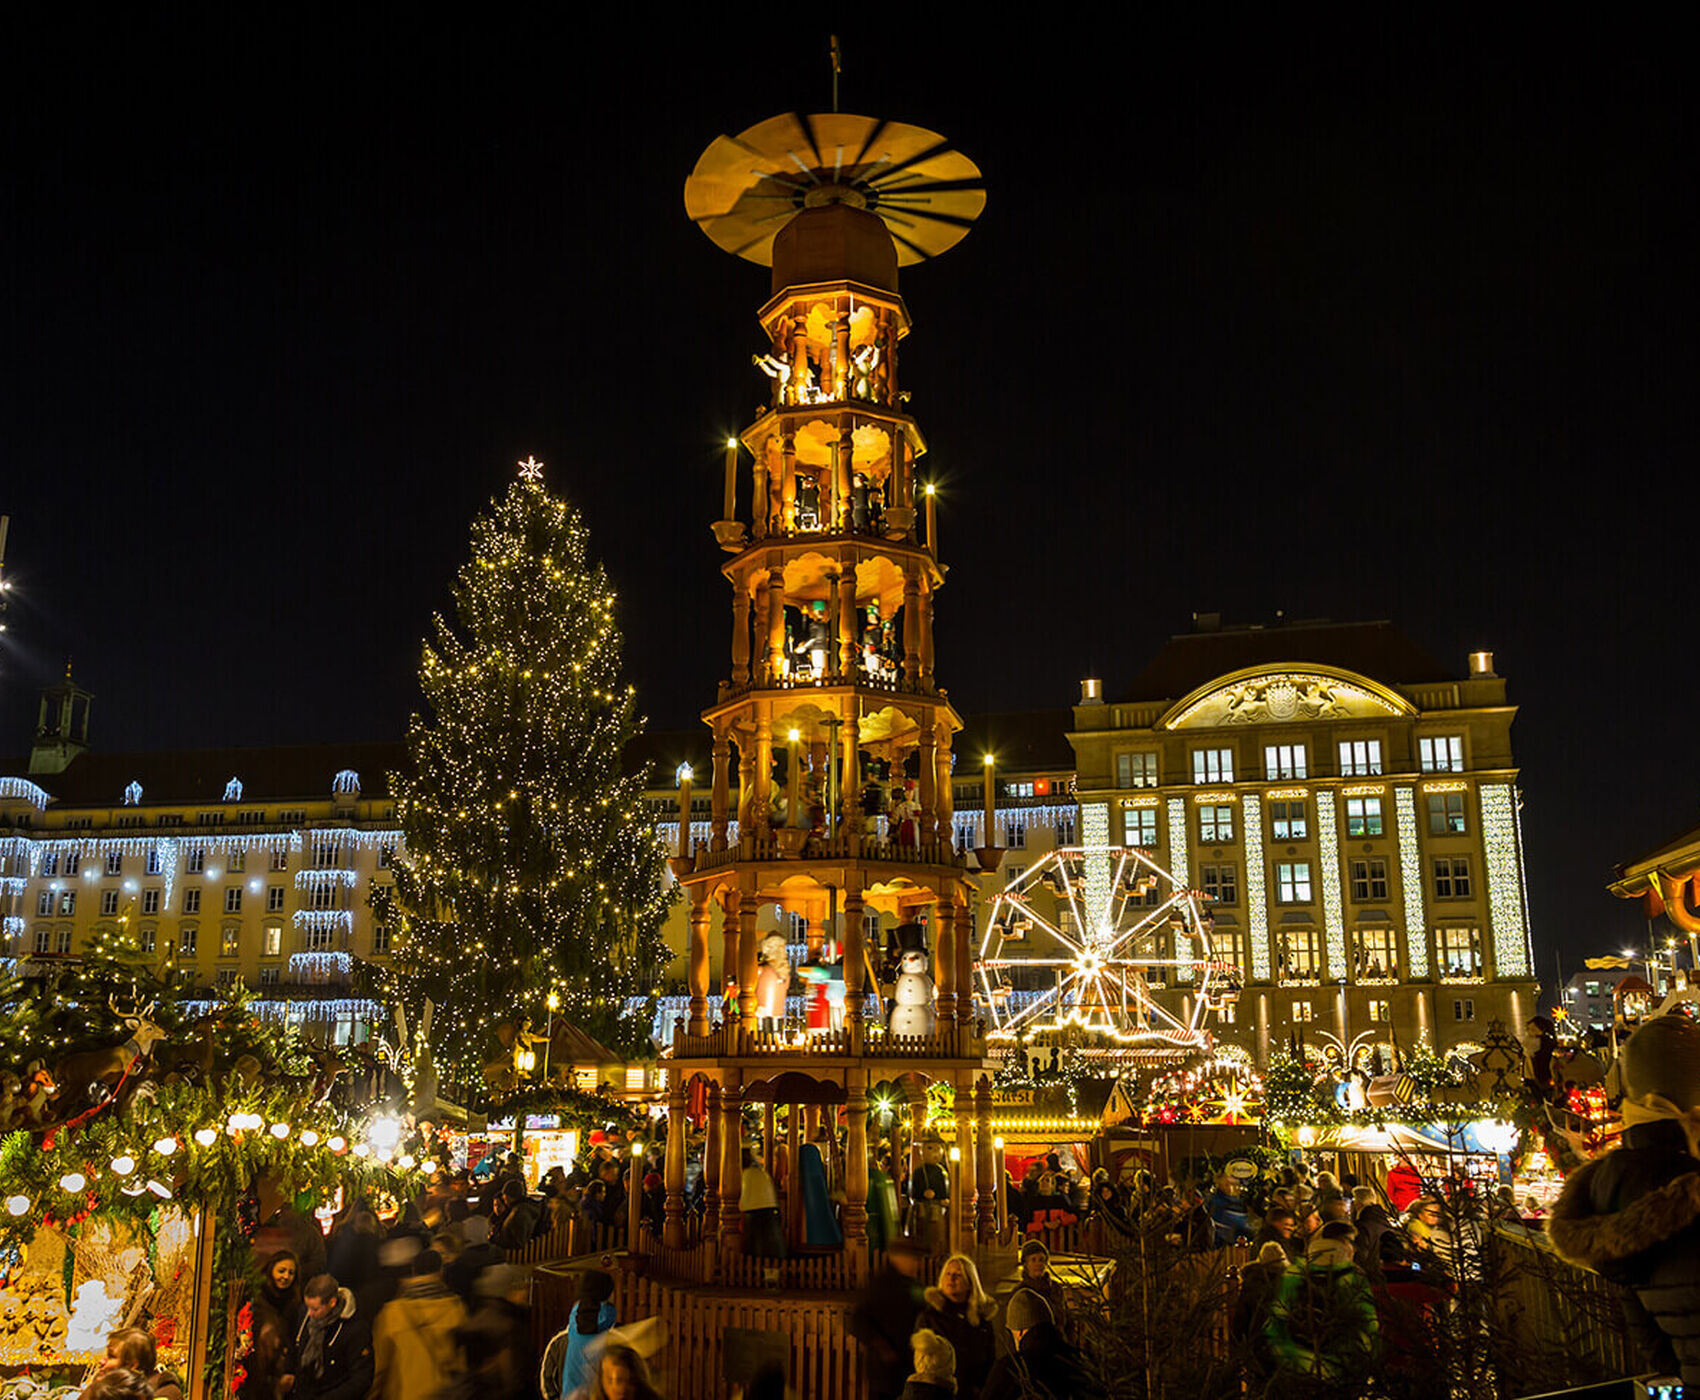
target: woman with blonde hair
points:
(960, 1310)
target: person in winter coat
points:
(133, 1349)
(519, 1219)
(883, 1315)
(1409, 1300)
(1036, 1275)
(1280, 1226)
(1227, 1209)
(1371, 1221)
(413, 1345)
(1322, 1322)
(1041, 1362)
(934, 1376)
(1258, 1281)
(332, 1346)
(1634, 1214)
(961, 1312)
(566, 1360)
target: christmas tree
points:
(529, 866)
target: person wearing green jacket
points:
(1322, 1322)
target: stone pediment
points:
(1285, 694)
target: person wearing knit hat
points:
(934, 1377)
(1633, 1215)
(1258, 1281)
(1036, 1276)
(1042, 1360)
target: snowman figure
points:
(912, 999)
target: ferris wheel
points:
(1087, 936)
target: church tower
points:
(61, 727)
(831, 707)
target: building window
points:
(231, 942)
(1369, 881)
(1136, 770)
(1380, 1012)
(274, 899)
(380, 938)
(44, 904)
(1451, 877)
(327, 853)
(148, 937)
(1139, 825)
(50, 864)
(62, 941)
(272, 940)
(169, 819)
(130, 819)
(1592, 989)
(73, 863)
(44, 940)
(386, 855)
(1460, 951)
(238, 857)
(1303, 1011)
(1215, 823)
(1442, 754)
(233, 900)
(324, 897)
(268, 976)
(1377, 952)
(186, 941)
(227, 976)
(1228, 945)
(1360, 758)
(280, 857)
(68, 902)
(1301, 953)
(108, 903)
(195, 860)
(318, 940)
(115, 862)
(1292, 882)
(1464, 1009)
(250, 819)
(1015, 834)
(1289, 821)
(153, 860)
(191, 901)
(1212, 765)
(1220, 882)
(1284, 761)
(1446, 814)
(150, 901)
(1363, 816)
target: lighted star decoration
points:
(1079, 939)
(531, 470)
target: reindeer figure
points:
(82, 1077)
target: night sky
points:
(1349, 324)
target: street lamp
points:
(552, 1001)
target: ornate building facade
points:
(1351, 811)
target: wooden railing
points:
(1566, 1313)
(571, 1240)
(843, 845)
(947, 1041)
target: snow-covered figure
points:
(772, 982)
(912, 1010)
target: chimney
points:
(1092, 691)
(1481, 665)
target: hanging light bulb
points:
(280, 1131)
(160, 1190)
(165, 1146)
(123, 1166)
(206, 1136)
(17, 1205)
(309, 1138)
(73, 1182)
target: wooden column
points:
(699, 921)
(746, 785)
(769, 1157)
(962, 1202)
(850, 783)
(892, 336)
(944, 958)
(747, 911)
(788, 482)
(856, 1169)
(841, 352)
(854, 953)
(964, 928)
(989, 1173)
(926, 641)
(793, 1175)
(731, 1161)
(760, 507)
(814, 935)
(946, 792)
(846, 466)
(847, 617)
(761, 801)
(926, 828)
(740, 635)
(720, 809)
(673, 1228)
(728, 951)
(711, 1164)
(912, 631)
(917, 1129)
(762, 660)
(775, 622)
